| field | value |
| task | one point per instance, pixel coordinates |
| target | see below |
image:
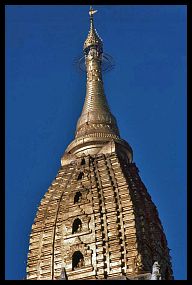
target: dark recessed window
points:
(77, 260)
(80, 176)
(77, 225)
(77, 197)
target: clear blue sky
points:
(44, 97)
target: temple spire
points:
(93, 37)
(96, 111)
(96, 126)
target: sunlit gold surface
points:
(96, 125)
(120, 234)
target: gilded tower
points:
(97, 220)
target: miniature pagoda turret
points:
(97, 220)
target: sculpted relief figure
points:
(156, 271)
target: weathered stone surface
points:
(116, 229)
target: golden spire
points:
(96, 125)
(93, 37)
(96, 116)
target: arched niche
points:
(77, 260)
(77, 197)
(77, 226)
(74, 260)
(80, 175)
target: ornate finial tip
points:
(91, 11)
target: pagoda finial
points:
(92, 12)
(96, 127)
(92, 38)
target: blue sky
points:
(45, 94)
